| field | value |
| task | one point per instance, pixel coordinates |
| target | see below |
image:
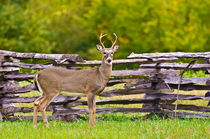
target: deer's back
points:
(81, 81)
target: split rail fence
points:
(158, 76)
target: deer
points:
(90, 82)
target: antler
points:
(113, 43)
(102, 43)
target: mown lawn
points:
(116, 125)
(171, 128)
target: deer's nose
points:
(109, 60)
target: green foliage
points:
(195, 74)
(64, 26)
(22, 29)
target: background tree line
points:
(73, 26)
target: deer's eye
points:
(104, 53)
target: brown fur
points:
(91, 82)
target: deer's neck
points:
(105, 70)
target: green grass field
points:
(173, 128)
(116, 125)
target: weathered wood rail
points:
(157, 77)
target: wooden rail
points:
(157, 77)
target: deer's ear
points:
(116, 47)
(99, 48)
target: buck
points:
(90, 82)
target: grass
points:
(115, 125)
(172, 128)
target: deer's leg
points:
(36, 105)
(44, 103)
(91, 108)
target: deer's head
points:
(107, 52)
